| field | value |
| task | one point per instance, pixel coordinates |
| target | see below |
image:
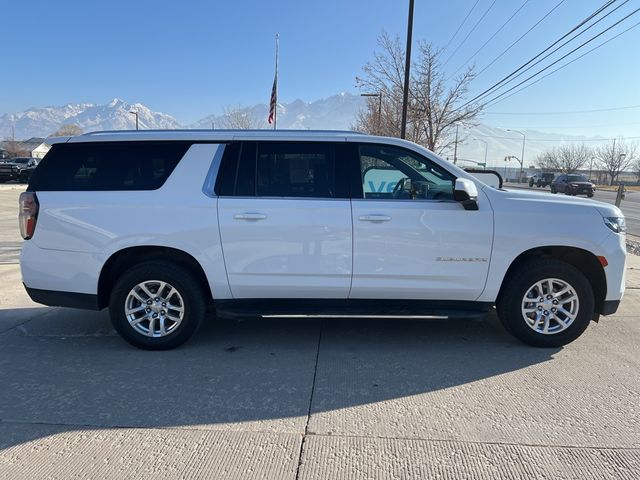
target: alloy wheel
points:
(154, 308)
(550, 306)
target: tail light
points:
(28, 215)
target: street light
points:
(522, 156)
(379, 95)
(486, 147)
(136, 114)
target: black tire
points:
(510, 302)
(553, 190)
(589, 195)
(531, 183)
(193, 299)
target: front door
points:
(412, 240)
(285, 220)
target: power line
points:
(493, 100)
(513, 44)
(491, 37)
(470, 32)
(609, 109)
(460, 26)
(567, 42)
(503, 80)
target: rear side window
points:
(101, 166)
(284, 169)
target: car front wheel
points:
(548, 303)
(157, 306)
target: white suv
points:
(159, 225)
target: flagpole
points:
(275, 108)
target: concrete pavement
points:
(315, 400)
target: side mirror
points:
(466, 193)
(407, 185)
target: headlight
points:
(617, 224)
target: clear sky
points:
(192, 58)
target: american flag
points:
(274, 100)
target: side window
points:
(295, 170)
(283, 169)
(104, 166)
(396, 174)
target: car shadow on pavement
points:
(67, 368)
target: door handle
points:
(250, 216)
(374, 218)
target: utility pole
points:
(407, 70)
(455, 147)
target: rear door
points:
(412, 240)
(285, 220)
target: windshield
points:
(21, 160)
(577, 178)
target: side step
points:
(351, 309)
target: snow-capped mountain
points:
(337, 112)
(40, 122)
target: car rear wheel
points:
(547, 303)
(157, 306)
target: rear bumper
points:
(55, 298)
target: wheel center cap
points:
(156, 307)
(547, 304)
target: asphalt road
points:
(630, 205)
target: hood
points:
(605, 209)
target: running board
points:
(351, 309)
(375, 317)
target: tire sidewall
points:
(512, 303)
(190, 291)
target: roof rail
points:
(222, 130)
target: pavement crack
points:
(313, 389)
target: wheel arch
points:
(581, 259)
(124, 259)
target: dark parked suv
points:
(573, 184)
(19, 168)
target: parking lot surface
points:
(311, 399)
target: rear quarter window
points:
(103, 166)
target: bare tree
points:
(68, 130)
(636, 167)
(436, 104)
(566, 158)
(547, 160)
(239, 118)
(615, 157)
(14, 148)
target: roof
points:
(208, 135)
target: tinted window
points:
(283, 169)
(389, 172)
(107, 166)
(577, 178)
